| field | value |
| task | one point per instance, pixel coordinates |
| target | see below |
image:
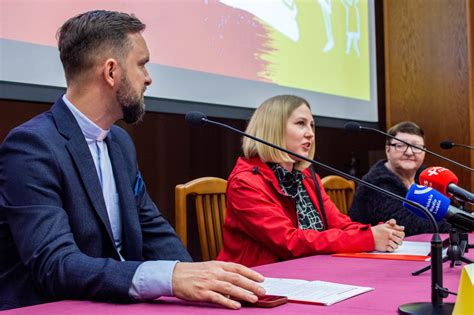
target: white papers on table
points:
(320, 292)
(410, 248)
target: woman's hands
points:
(388, 236)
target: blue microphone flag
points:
(431, 199)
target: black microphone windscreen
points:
(352, 126)
(195, 119)
(446, 144)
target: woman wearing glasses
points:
(396, 174)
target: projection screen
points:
(227, 55)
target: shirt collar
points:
(90, 130)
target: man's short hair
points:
(269, 123)
(84, 37)
(406, 127)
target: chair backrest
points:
(340, 190)
(209, 197)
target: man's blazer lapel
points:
(132, 241)
(81, 155)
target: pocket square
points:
(138, 184)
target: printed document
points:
(410, 248)
(318, 292)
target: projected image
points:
(309, 50)
(280, 15)
(226, 52)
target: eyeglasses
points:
(402, 147)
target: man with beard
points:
(76, 221)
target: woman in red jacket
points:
(274, 212)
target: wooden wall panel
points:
(427, 73)
(470, 45)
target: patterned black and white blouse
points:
(291, 183)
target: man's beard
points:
(133, 105)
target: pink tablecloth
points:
(394, 285)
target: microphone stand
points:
(464, 238)
(461, 246)
(447, 145)
(457, 246)
(437, 291)
(353, 127)
(464, 146)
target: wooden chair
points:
(340, 190)
(209, 198)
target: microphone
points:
(356, 127)
(195, 119)
(439, 206)
(444, 181)
(437, 294)
(448, 144)
(353, 126)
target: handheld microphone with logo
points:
(448, 144)
(356, 127)
(439, 206)
(444, 181)
(197, 119)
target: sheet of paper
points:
(410, 248)
(414, 251)
(320, 292)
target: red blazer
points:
(261, 225)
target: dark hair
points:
(84, 36)
(406, 127)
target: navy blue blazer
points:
(55, 236)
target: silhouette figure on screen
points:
(352, 25)
(327, 10)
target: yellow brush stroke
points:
(304, 65)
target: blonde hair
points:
(268, 122)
